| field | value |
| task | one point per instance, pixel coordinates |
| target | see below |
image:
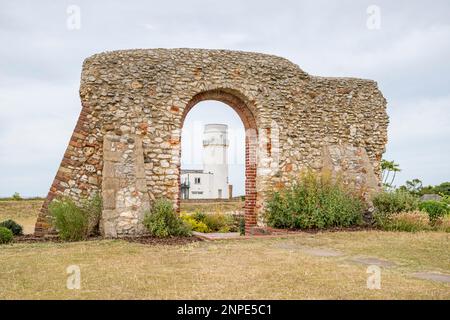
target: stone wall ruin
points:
(126, 144)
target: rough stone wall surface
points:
(124, 188)
(299, 121)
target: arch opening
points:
(245, 114)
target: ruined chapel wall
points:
(145, 93)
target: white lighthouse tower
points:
(215, 158)
(212, 181)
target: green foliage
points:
(442, 224)
(162, 221)
(76, 222)
(407, 222)
(414, 222)
(6, 235)
(16, 196)
(233, 222)
(388, 203)
(69, 219)
(242, 226)
(16, 228)
(396, 210)
(426, 190)
(93, 207)
(314, 201)
(415, 187)
(213, 222)
(443, 188)
(435, 209)
(217, 222)
(224, 229)
(446, 199)
(199, 216)
(194, 224)
(388, 167)
(281, 211)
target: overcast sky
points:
(41, 59)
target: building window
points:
(197, 192)
(197, 180)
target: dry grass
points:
(443, 224)
(253, 269)
(24, 212)
(212, 207)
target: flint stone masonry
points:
(126, 144)
(124, 189)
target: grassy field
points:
(281, 268)
(213, 207)
(24, 212)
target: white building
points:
(212, 181)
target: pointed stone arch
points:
(242, 106)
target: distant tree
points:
(16, 196)
(443, 188)
(387, 168)
(414, 186)
(427, 190)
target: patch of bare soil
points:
(148, 240)
(316, 230)
(30, 238)
(162, 241)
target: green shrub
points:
(224, 229)
(446, 199)
(234, 222)
(76, 222)
(242, 226)
(408, 221)
(389, 203)
(435, 209)
(212, 222)
(93, 207)
(199, 216)
(219, 222)
(6, 235)
(162, 221)
(16, 228)
(280, 212)
(442, 224)
(194, 224)
(215, 221)
(314, 201)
